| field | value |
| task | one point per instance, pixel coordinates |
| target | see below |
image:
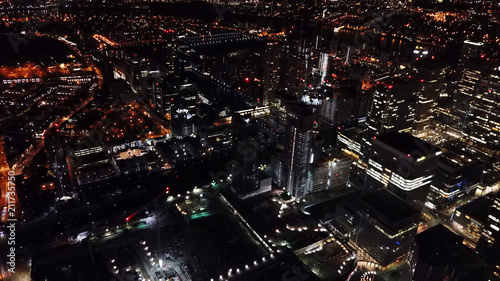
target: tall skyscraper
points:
(245, 134)
(345, 104)
(295, 67)
(298, 146)
(404, 165)
(273, 74)
(169, 60)
(392, 110)
(156, 101)
(277, 168)
(393, 106)
(278, 108)
(432, 76)
(324, 60)
(476, 105)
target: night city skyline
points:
(250, 140)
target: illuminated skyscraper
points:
(393, 106)
(323, 66)
(432, 76)
(169, 58)
(294, 68)
(298, 148)
(476, 105)
(392, 110)
(345, 104)
(273, 74)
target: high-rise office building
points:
(294, 71)
(345, 104)
(298, 148)
(155, 94)
(324, 59)
(393, 106)
(432, 76)
(182, 124)
(277, 168)
(470, 50)
(245, 134)
(169, 60)
(278, 104)
(173, 96)
(329, 172)
(392, 110)
(404, 165)
(476, 106)
(273, 74)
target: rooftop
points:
(92, 168)
(440, 246)
(456, 158)
(477, 209)
(407, 144)
(390, 209)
